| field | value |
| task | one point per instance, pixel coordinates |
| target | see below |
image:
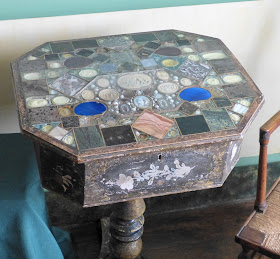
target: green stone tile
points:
(218, 119)
(88, 137)
(192, 125)
(165, 36)
(222, 102)
(144, 37)
(80, 44)
(60, 47)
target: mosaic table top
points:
(127, 92)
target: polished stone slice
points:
(188, 108)
(142, 102)
(70, 122)
(142, 37)
(127, 67)
(222, 102)
(51, 57)
(77, 62)
(119, 58)
(61, 47)
(192, 125)
(168, 51)
(88, 137)
(240, 90)
(194, 70)
(108, 68)
(42, 115)
(148, 62)
(58, 133)
(152, 45)
(208, 45)
(109, 119)
(116, 42)
(32, 65)
(153, 124)
(118, 135)
(218, 119)
(35, 88)
(166, 36)
(194, 94)
(183, 42)
(90, 108)
(224, 66)
(85, 52)
(79, 44)
(68, 84)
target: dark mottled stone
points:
(85, 52)
(208, 45)
(142, 37)
(77, 62)
(188, 108)
(50, 57)
(218, 119)
(100, 58)
(79, 44)
(144, 53)
(32, 65)
(194, 70)
(88, 137)
(222, 102)
(35, 88)
(152, 45)
(127, 67)
(60, 47)
(183, 42)
(43, 115)
(168, 51)
(166, 36)
(70, 122)
(192, 125)
(240, 90)
(118, 135)
(224, 65)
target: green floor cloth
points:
(25, 232)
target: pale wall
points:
(250, 29)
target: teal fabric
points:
(25, 231)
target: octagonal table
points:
(120, 118)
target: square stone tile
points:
(144, 37)
(85, 52)
(240, 90)
(222, 102)
(88, 137)
(70, 122)
(183, 42)
(118, 135)
(224, 65)
(218, 119)
(32, 65)
(208, 45)
(148, 62)
(35, 88)
(153, 124)
(42, 115)
(50, 57)
(61, 47)
(194, 70)
(192, 125)
(80, 44)
(188, 108)
(68, 84)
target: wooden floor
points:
(193, 234)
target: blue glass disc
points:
(90, 108)
(195, 94)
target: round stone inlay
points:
(77, 62)
(194, 94)
(90, 108)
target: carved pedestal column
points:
(126, 228)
